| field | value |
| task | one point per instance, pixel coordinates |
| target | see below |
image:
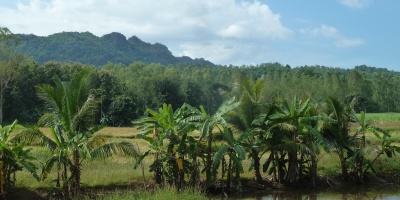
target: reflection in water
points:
(384, 192)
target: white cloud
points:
(356, 4)
(187, 27)
(333, 34)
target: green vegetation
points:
(89, 49)
(201, 128)
(164, 194)
(382, 117)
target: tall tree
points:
(8, 60)
(250, 107)
(208, 123)
(70, 107)
(293, 119)
(338, 134)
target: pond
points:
(381, 192)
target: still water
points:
(382, 192)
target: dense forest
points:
(125, 92)
(89, 49)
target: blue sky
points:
(334, 33)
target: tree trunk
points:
(313, 170)
(223, 171)
(76, 175)
(274, 165)
(158, 176)
(181, 173)
(1, 107)
(293, 171)
(3, 178)
(58, 186)
(257, 174)
(361, 162)
(209, 159)
(158, 171)
(195, 176)
(343, 167)
(229, 176)
(301, 165)
(65, 183)
(238, 184)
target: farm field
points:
(117, 175)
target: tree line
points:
(125, 92)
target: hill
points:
(89, 49)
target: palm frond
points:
(240, 152)
(109, 149)
(219, 156)
(237, 162)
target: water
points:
(382, 192)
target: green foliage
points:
(92, 50)
(160, 194)
(13, 158)
(120, 111)
(69, 115)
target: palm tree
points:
(208, 123)
(297, 121)
(69, 115)
(338, 134)
(249, 109)
(289, 119)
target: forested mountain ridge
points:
(89, 49)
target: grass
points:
(158, 194)
(118, 172)
(382, 117)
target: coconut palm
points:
(338, 134)
(69, 115)
(297, 121)
(249, 109)
(288, 118)
(208, 123)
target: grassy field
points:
(118, 174)
(380, 118)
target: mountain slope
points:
(89, 49)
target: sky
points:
(333, 33)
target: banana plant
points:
(207, 124)
(385, 147)
(13, 158)
(169, 141)
(236, 154)
(361, 163)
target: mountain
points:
(89, 49)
